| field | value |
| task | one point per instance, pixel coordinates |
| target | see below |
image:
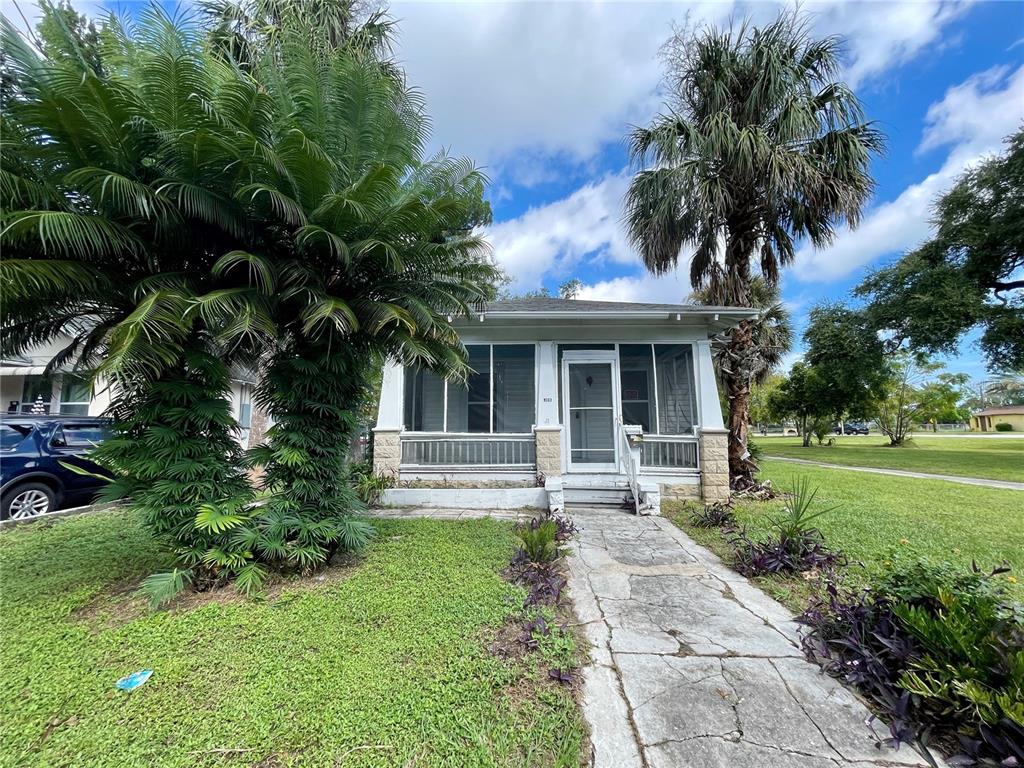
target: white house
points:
(568, 401)
(25, 384)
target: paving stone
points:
(694, 666)
(721, 753)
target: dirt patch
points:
(121, 602)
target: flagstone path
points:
(695, 668)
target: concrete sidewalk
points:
(695, 668)
(1004, 484)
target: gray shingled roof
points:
(546, 304)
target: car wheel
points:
(28, 500)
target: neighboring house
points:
(569, 400)
(26, 386)
(986, 420)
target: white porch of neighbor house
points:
(638, 420)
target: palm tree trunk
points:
(737, 387)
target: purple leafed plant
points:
(783, 553)
(565, 676)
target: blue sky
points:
(541, 95)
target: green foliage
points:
(161, 588)
(848, 360)
(968, 274)
(367, 484)
(798, 510)
(538, 540)
(761, 145)
(1002, 426)
(800, 396)
(403, 633)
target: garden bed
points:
(385, 661)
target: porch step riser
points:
(596, 496)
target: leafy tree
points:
(943, 400)
(570, 288)
(905, 400)
(761, 411)
(969, 274)
(845, 351)
(800, 397)
(761, 144)
(64, 33)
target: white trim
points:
(466, 498)
(608, 357)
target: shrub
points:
(1002, 426)
(794, 546)
(939, 651)
(717, 515)
(537, 537)
(368, 484)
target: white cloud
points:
(672, 288)
(555, 238)
(973, 118)
(514, 84)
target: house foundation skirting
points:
(466, 498)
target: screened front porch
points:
(489, 423)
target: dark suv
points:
(851, 428)
(33, 480)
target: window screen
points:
(676, 398)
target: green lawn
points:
(385, 663)
(880, 516)
(992, 458)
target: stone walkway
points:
(695, 668)
(1005, 484)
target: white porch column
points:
(714, 438)
(387, 448)
(548, 432)
(710, 416)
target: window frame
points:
(409, 371)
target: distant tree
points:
(761, 412)
(570, 288)
(943, 400)
(1006, 390)
(847, 355)
(969, 274)
(761, 145)
(905, 400)
(65, 34)
(800, 396)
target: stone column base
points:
(714, 465)
(549, 450)
(387, 452)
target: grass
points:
(993, 459)
(383, 663)
(881, 517)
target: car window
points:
(10, 436)
(83, 434)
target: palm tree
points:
(117, 203)
(180, 213)
(771, 333)
(761, 145)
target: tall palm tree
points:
(761, 145)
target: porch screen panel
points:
(677, 403)
(469, 403)
(636, 375)
(424, 401)
(514, 391)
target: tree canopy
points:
(969, 274)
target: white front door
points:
(590, 406)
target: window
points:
(657, 384)
(11, 437)
(75, 394)
(77, 435)
(245, 406)
(636, 376)
(498, 395)
(676, 398)
(36, 394)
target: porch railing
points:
(628, 464)
(470, 450)
(669, 452)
